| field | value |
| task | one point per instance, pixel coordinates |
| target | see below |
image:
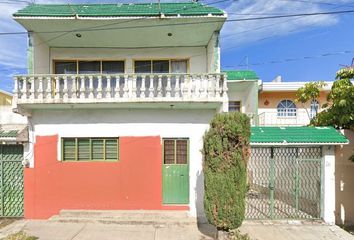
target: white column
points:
(328, 184)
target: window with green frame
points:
(90, 149)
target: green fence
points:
(284, 183)
(11, 181)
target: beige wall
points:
(275, 97)
(344, 170)
(5, 99)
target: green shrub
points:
(226, 151)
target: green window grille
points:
(90, 149)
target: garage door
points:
(285, 183)
(11, 181)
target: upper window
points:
(160, 66)
(90, 149)
(286, 108)
(314, 108)
(175, 151)
(88, 67)
(234, 106)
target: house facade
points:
(118, 98)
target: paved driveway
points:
(293, 230)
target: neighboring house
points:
(277, 105)
(5, 98)
(13, 144)
(118, 100)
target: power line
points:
(327, 54)
(317, 2)
(191, 23)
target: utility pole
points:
(159, 6)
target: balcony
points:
(272, 118)
(32, 90)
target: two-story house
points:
(118, 97)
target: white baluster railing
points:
(120, 88)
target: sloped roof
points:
(118, 10)
(241, 75)
(296, 135)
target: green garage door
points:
(11, 181)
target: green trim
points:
(241, 75)
(118, 10)
(298, 135)
(90, 146)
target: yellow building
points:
(5, 98)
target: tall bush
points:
(226, 151)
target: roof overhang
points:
(286, 144)
(123, 32)
(13, 133)
(288, 86)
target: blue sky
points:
(290, 47)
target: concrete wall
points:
(345, 182)
(44, 56)
(7, 116)
(131, 123)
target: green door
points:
(11, 181)
(175, 171)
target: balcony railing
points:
(273, 118)
(120, 88)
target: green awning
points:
(296, 136)
(118, 10)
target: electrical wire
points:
(191, 23)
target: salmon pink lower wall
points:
(133, 182)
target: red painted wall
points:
(134, 182)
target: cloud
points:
(248, 32)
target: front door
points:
(175, 171)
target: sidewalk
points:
(47, 230)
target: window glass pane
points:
(112, 67)
(181, 152)
(179, 66)
(69, 149)
(83, 149)
(88, 67)
(169, 151)
(286, 108)
(111, 149)
(142, 66)
(160, 66)
(97, 149)
(65, 68)
(234, 106)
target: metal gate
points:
(284, 183)
(11, 181)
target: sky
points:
(307, 48)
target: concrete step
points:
(143, 217)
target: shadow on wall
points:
(203, 226)
(116, 116)
(344, 174)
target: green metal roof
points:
(241, 75)
(8, 134)
(296, 135)
(117, 10)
